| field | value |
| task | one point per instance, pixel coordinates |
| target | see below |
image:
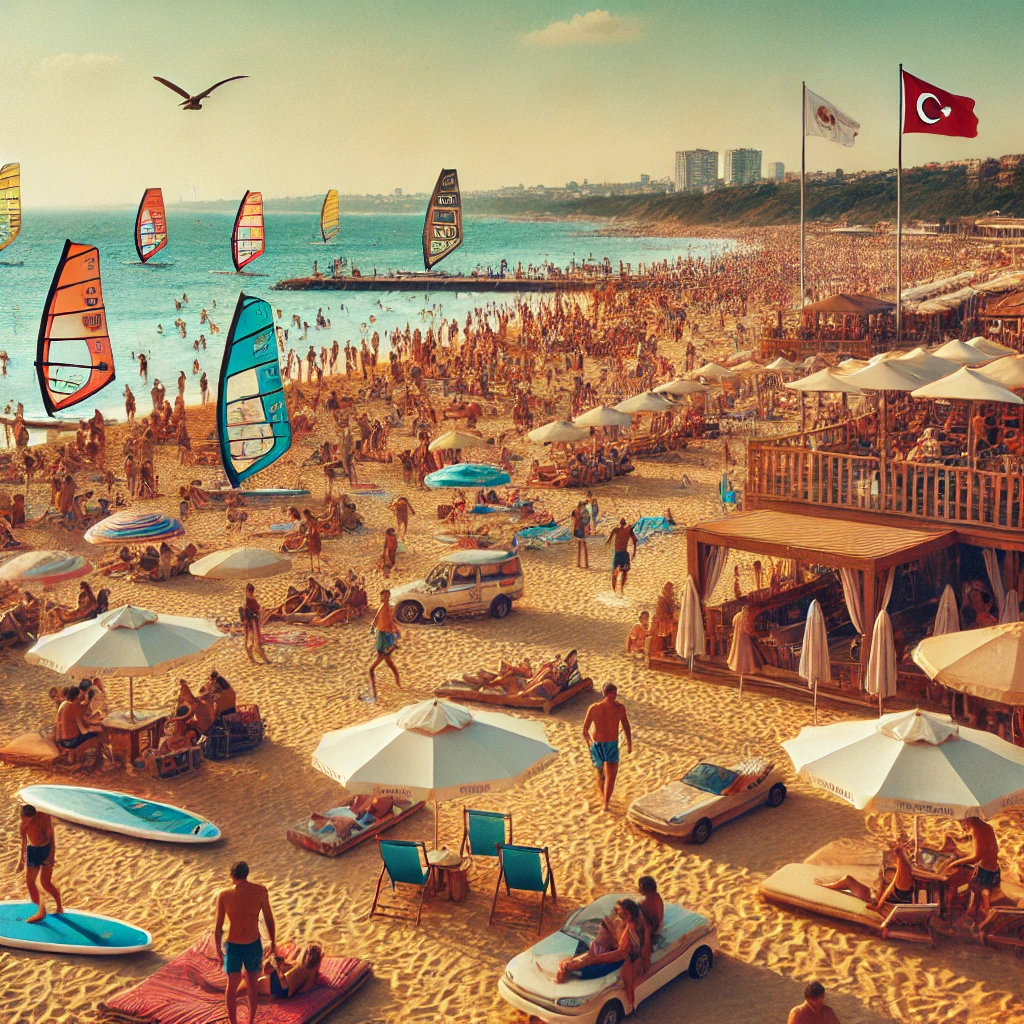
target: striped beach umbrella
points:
(131, 526)
(44, 568)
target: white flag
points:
(827, 121)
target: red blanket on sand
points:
(189, 990)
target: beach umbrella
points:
(957, 351)
(912, 762)
(456, 439)
(986, 663)
(1011, 607)
(125, 641)
(947, 618)
(826, 380)
(927, 366)
(781, 363)
(603, 416)
(880, 677)
(990, 348)
(690, 631)
(648, 401)
(815, 665)
(968, 385)
(1008, 371)
(130, 526)
(468, 474)
(886, 375)
(681, 388)
(44, 568)
(713, 371)
(434, 750)
(241, 564)
(558, 432)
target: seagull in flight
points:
(195, 102)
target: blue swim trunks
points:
(243, 954)
(604, 753)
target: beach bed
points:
(323, 839)
(453, 690)
(190, 990)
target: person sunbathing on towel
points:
(619, 943)
(280, 978)
(366, 811)
(900, 888)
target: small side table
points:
(127, 739)
(449, 871)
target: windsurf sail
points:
(10, 203)
(330, 216)
(74, 359)
(442, 229)
(247, 239)
(252, 416)
(150, 224)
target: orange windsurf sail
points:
(150, 224)
(248, 241)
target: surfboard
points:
(74, 931)
(121, 812)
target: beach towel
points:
(647, 527)
(189, 990)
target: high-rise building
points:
(645, 179)
(776, 171)
(696, 169)
(742, 166)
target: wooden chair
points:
(525, 869)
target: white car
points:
(687, 942)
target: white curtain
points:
(852, 593)
(887, 589)
(714, 565)
(995, 577)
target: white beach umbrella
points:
(927, 366)
(680, 388)
(850, 365)
(957, 351)
(603, 416)
(1008, 371)
(781, 363)
(886, 376)
(912, 762)
(825, 381)
(968, 385)
(241, 564)
(947, 618)
(690, 631)
(815, 665)
(712, 371)
(558, 432)
(986, 663)
(456, 439)
(990, 348)
(434, 750)
(125, 641)
(880, 677)
(648, 401)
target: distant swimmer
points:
(195, 102)
(159, 328)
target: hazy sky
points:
(373, 95)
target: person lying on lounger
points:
(364, 812)
(899, 889)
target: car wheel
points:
(611, 1013)
(702, 831)
(408, 611)
(500, 607)
(701, 961)
(438, 615)
(776, 794)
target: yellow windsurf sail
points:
(10, 203)
(330, 216)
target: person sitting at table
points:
(222, 690)
(73, 731)
(899, 889)
(979, 869)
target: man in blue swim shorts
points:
(242, 905)
(601, 734)
(622, 536)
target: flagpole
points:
(899, 214)
(803, 162)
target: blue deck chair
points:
(405, 863)
(483, 832)
(525, 869)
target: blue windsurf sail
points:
(252, 415)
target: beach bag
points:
(233, 734)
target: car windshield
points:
(710, 778)
(438, 576)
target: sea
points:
(197, 263)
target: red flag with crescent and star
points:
(933, 111)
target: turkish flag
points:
(933, 111)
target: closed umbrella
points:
(468, 474)
(912, 762)
(947, 618)
(690, 631)
(603, 416)
(130, 527)
(44, 568)
(815, 665)
(558, 432)
(648, 401)
(880, 678)
(125, 641)
(434, 750)
(241, 564)
(681, 388)
(1011, 607)
(986, 663)
(456, 439)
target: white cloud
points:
(80, 61)
(595, 28)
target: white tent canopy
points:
(679, 388)
(927, 366)
(990, 347)
(886, 376)
(648, 401)
(712, 371)
(957, 352)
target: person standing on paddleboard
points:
(38, 846)
(242, 905)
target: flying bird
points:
(195, 102)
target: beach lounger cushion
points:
(323, 838)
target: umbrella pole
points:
(131, 699)
(435, 825)
(815, 701)
(741, 686)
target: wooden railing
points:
(918, 490)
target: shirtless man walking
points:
(601, 734)
(622, 535)
(242, 905)
(386, 639)
(38, 845)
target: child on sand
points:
(638, 635)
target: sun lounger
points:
(323, 839)
(794, 886)
(35, 749)
(189, 990)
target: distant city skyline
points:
(356, 97)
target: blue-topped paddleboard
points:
(121, 812)
(74, 931)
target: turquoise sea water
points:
(138, 298)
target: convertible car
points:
(687, 942)
(705, 797)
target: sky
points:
(367, 96)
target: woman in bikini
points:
(618, 944)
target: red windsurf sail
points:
(150, 224)
(248, 241)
